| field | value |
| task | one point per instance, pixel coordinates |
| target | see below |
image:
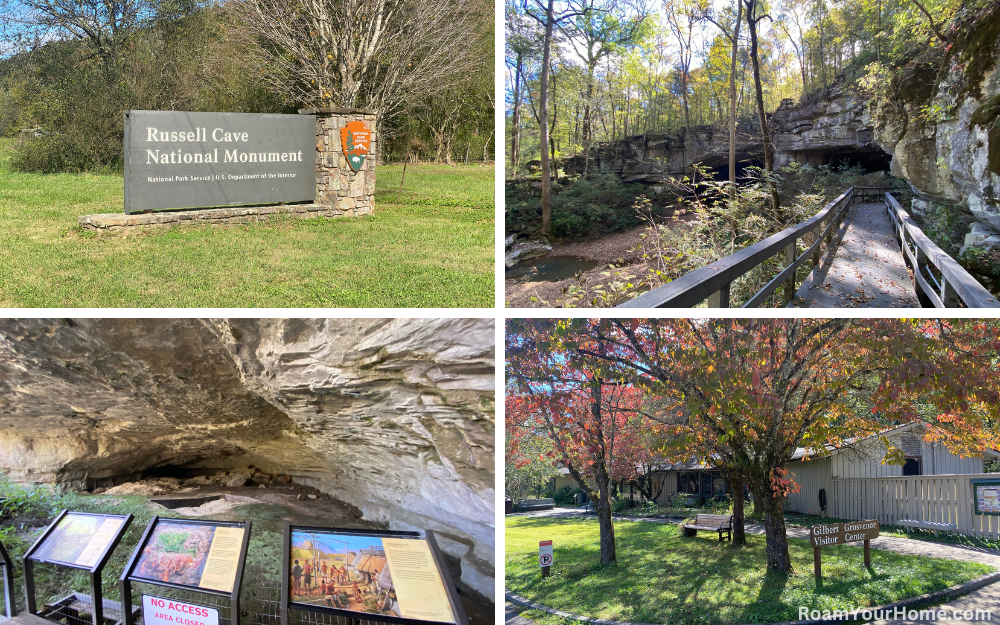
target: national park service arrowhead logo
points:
(356, 138)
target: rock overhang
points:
(395, 416)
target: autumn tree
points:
(746, 394)
(590, 420)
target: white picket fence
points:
(940, 498)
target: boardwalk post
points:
(817, 234)
(790, 282)
(720, 299)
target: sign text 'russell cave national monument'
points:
(177, 159)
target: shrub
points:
(598, 204)
(566, 496)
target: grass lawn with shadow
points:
(430, 244)
(663, 577)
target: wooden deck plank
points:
(30, 619)
(865, 270)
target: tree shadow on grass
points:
(767, 607)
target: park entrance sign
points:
(178, 159)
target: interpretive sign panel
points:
(986, 496)
(393, 575)
(179, 159)
(159, 611)
(840, 533)
(191, 554)
(79, 540)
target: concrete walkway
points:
(986, 599)
(866, 269)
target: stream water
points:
(550, 268)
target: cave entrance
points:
(871, 159)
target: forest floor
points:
(623, 249)
(428, 245)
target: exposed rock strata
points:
(393, 416)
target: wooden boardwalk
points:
(865, 269)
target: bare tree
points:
(752, 21)
(544, 12)
(382, 55)
(105, 25)
(734, 41)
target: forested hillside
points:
(68, 69)
(744, 118)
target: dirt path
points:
(620, 248)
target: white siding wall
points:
(811, 476)
(866, 461)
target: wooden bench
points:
(711, 523)
(929, 525)
(535, 504)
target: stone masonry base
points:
(117, 222)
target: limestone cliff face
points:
(833, 124)
(948, 149)
(393, 416)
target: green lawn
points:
(662, 577)
(429, 245)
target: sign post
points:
(545, 556)
(839, 534)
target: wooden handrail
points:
(713, 281)
(956, 285)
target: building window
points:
(913, 466)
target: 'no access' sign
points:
(545, 553)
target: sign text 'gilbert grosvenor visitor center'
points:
(179, 159)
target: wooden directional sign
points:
(839, 534)
(356, 139)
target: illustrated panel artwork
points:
(201, 556)
(356, 138)
(370, 574)
(79, 540)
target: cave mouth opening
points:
(872, 159)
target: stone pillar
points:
(346, 192)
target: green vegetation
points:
(586, 207)
(64, 99)
(662, 577)
(429, 244)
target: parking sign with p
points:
(545, 556)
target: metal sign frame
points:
(128, 577)
(426, 535)
(975, 502)
(96, 593)
(8, 582)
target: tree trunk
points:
(515, 122)
(543, 122)
(739, 516)
(776, 547)
(586, 131)
(764, 132)
(732, 114)
(603, 480)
